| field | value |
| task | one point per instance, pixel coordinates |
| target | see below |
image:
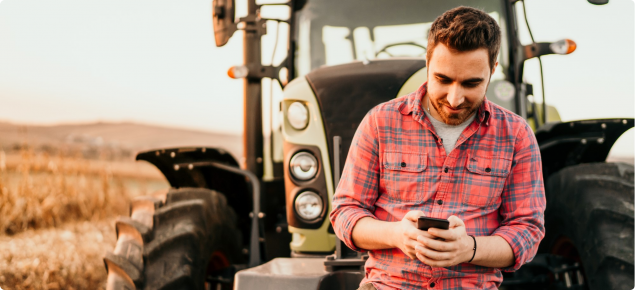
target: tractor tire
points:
(173, 244)
(589, 219)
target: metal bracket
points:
(252, 23)
(263, 71)
(258, 72)
(547, 271)
(340, 260)
(536, 49)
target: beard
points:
(455, 118)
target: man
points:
(447, 152)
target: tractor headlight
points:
(308, 205)
(303, 166)
(298, 115)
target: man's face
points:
(457, 82)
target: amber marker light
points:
(572, 46)
(238, 72)
(564, 46)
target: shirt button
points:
(432, 285)
(488, 169)
(440, 202)
(446, 170)
(403, 164)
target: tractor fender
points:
(167, 160)
(565, 144)
(179, 166)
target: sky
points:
(155, 62)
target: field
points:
(57, 216)
(60, 196)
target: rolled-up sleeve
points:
(357, 190)
(523, 201)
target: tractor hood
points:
(345, 93)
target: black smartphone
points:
(424, 223)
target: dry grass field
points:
(57, 215)
(61, 189)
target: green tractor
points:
(263, 223)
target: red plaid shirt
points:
(492, 180)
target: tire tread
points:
(591, 204)
(177, 237)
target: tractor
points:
(261, 222)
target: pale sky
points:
(155, 62)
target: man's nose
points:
(455, 96)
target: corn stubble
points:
(56, 219)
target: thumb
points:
(413, 215)
(455, 222)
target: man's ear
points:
(494, 68)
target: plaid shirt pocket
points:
(403, 175)
(484, 179)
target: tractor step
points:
(296, 273)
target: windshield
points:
(331, 32)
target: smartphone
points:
(424, 223)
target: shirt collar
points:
(484, 112)
(412, 104)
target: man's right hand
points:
(372, 234)
(406, 233)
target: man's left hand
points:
(453, 247)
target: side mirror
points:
(598, 2)
(564, 46)
(223, 20)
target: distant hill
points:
(130, 137)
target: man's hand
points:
(407, 233)
(455, 248)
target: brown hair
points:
(465, 29)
